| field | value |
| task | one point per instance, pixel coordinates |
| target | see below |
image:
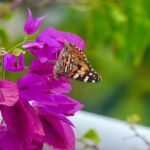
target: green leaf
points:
(134, 118)
(92, 135)
(17, 51)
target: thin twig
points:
(137, 134)
(86, 145)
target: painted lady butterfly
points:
(73, 63)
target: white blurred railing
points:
(114, 134)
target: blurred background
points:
(117, 34)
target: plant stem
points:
(24, 41)
(86, 145)
(137, 134)
(15, 46)
(3, 73)
(1, 68)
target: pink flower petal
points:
(59, 135)
(33, 45)
(9, 93)
(32, 25)
(9, 141)
(21, 121)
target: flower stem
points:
(3, 73)
(137, 134)
(1, 67)
(2, 70)
(24, 41)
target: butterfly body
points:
(73, 63)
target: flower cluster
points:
(35, 110)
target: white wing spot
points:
(85, 58)
(86, 78)
(76, 76)
(90, 73)
(93, 81)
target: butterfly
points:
(73, 63)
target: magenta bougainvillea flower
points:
(32, 25)
(46, 95)
(40, 77)
(59, 135)
(11, 63)
(53, 42)
(8, 140)
(47, 91)
(21, 123)
(35, 110)
(45, 119)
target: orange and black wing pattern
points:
(73, 63)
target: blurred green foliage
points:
(133, 119)
(117, 34)
(92, 135)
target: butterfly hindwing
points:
(73, 63)
(84, 72)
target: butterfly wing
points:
(63, 66)
(79, 67)
(73, 63)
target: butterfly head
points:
(67, 46)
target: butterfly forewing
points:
(73, 63)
